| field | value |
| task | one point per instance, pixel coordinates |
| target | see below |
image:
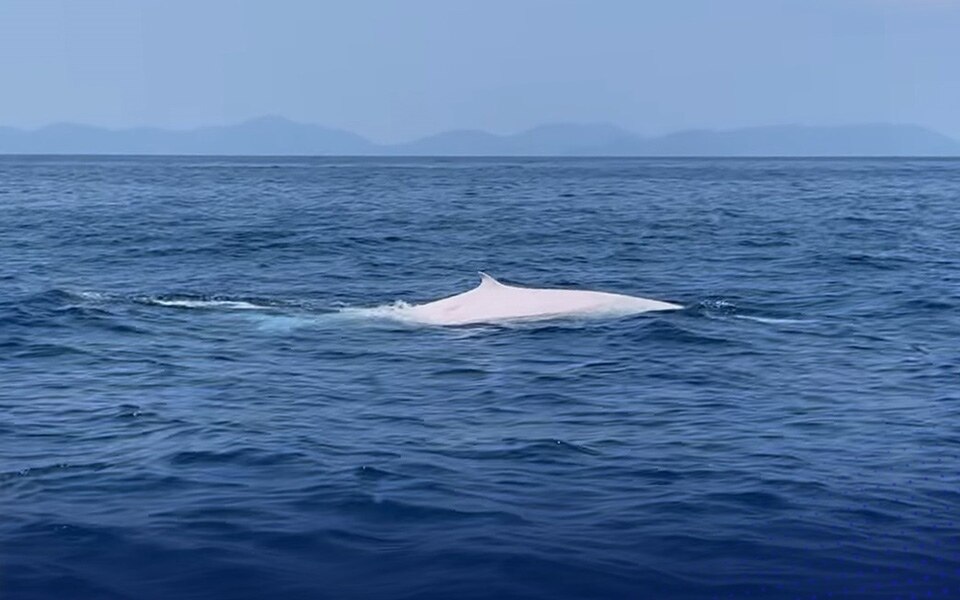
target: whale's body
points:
(492, 302)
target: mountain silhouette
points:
(279, 136)
(263, 136)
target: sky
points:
(393, 70)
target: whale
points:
(494, 302)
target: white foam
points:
(773, 321)
(396, 311)
(282, 323)
(228, 304)
(96, 296)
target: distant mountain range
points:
(279, 136)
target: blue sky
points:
(396, 69)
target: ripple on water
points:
(208, 388)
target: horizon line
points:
(4, 155)
(527, 129)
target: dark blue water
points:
(192, 407)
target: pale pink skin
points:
(493, 301)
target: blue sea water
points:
(203, 394)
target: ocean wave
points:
(197, 303)
(394, 311)
(197, 406)
(774, 320)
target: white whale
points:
(492, 302)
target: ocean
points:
(205, 393)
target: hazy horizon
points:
(281, 137)
(393, 71)
(503, 133)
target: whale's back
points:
(493, 301)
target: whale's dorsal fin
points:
(487, 281)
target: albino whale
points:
(493, 301)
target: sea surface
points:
(205, 392)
